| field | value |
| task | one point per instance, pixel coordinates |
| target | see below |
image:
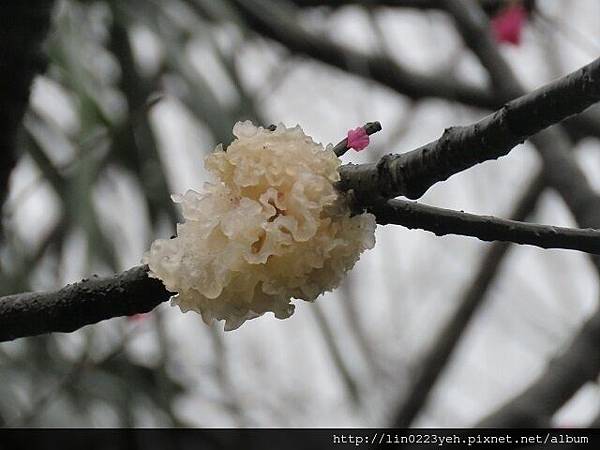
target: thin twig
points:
(443, 221)
(342, 146)
(581, 363)
(435, 360)
(135, 145)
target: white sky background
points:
(280, 371)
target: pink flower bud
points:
(508, 24)
(358, 139)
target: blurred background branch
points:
(22, 58)
(425, 331)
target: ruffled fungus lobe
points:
(271, 227)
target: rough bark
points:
(443, 222)
(569, 370)
(77, 305)
(411, 174)
(277, 22)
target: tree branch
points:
(570, 370)
(411, 174)
(447, 340)
(133, 292)
(279, 23)
(580, 86)
(80, 304)
(24, 27)
(486, 228)
(561, 171)
(273, 20)
(490, 6)
(565, 374)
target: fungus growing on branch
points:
(270, 228)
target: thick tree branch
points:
(23, 27)
(275, 21)
(571, 184)
(508, 124)
(80, 304)
(570, 370)
(486, 228)
(561, 171)
(412, 174)
(133, 292)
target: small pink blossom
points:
(508, 24)
(358, 139)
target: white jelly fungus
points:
(271, 227)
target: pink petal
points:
(358, 139)
(508, 24)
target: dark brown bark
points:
(277, 22)
(569, 370)
(443, 222)
(411, 174)
(77, 305)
